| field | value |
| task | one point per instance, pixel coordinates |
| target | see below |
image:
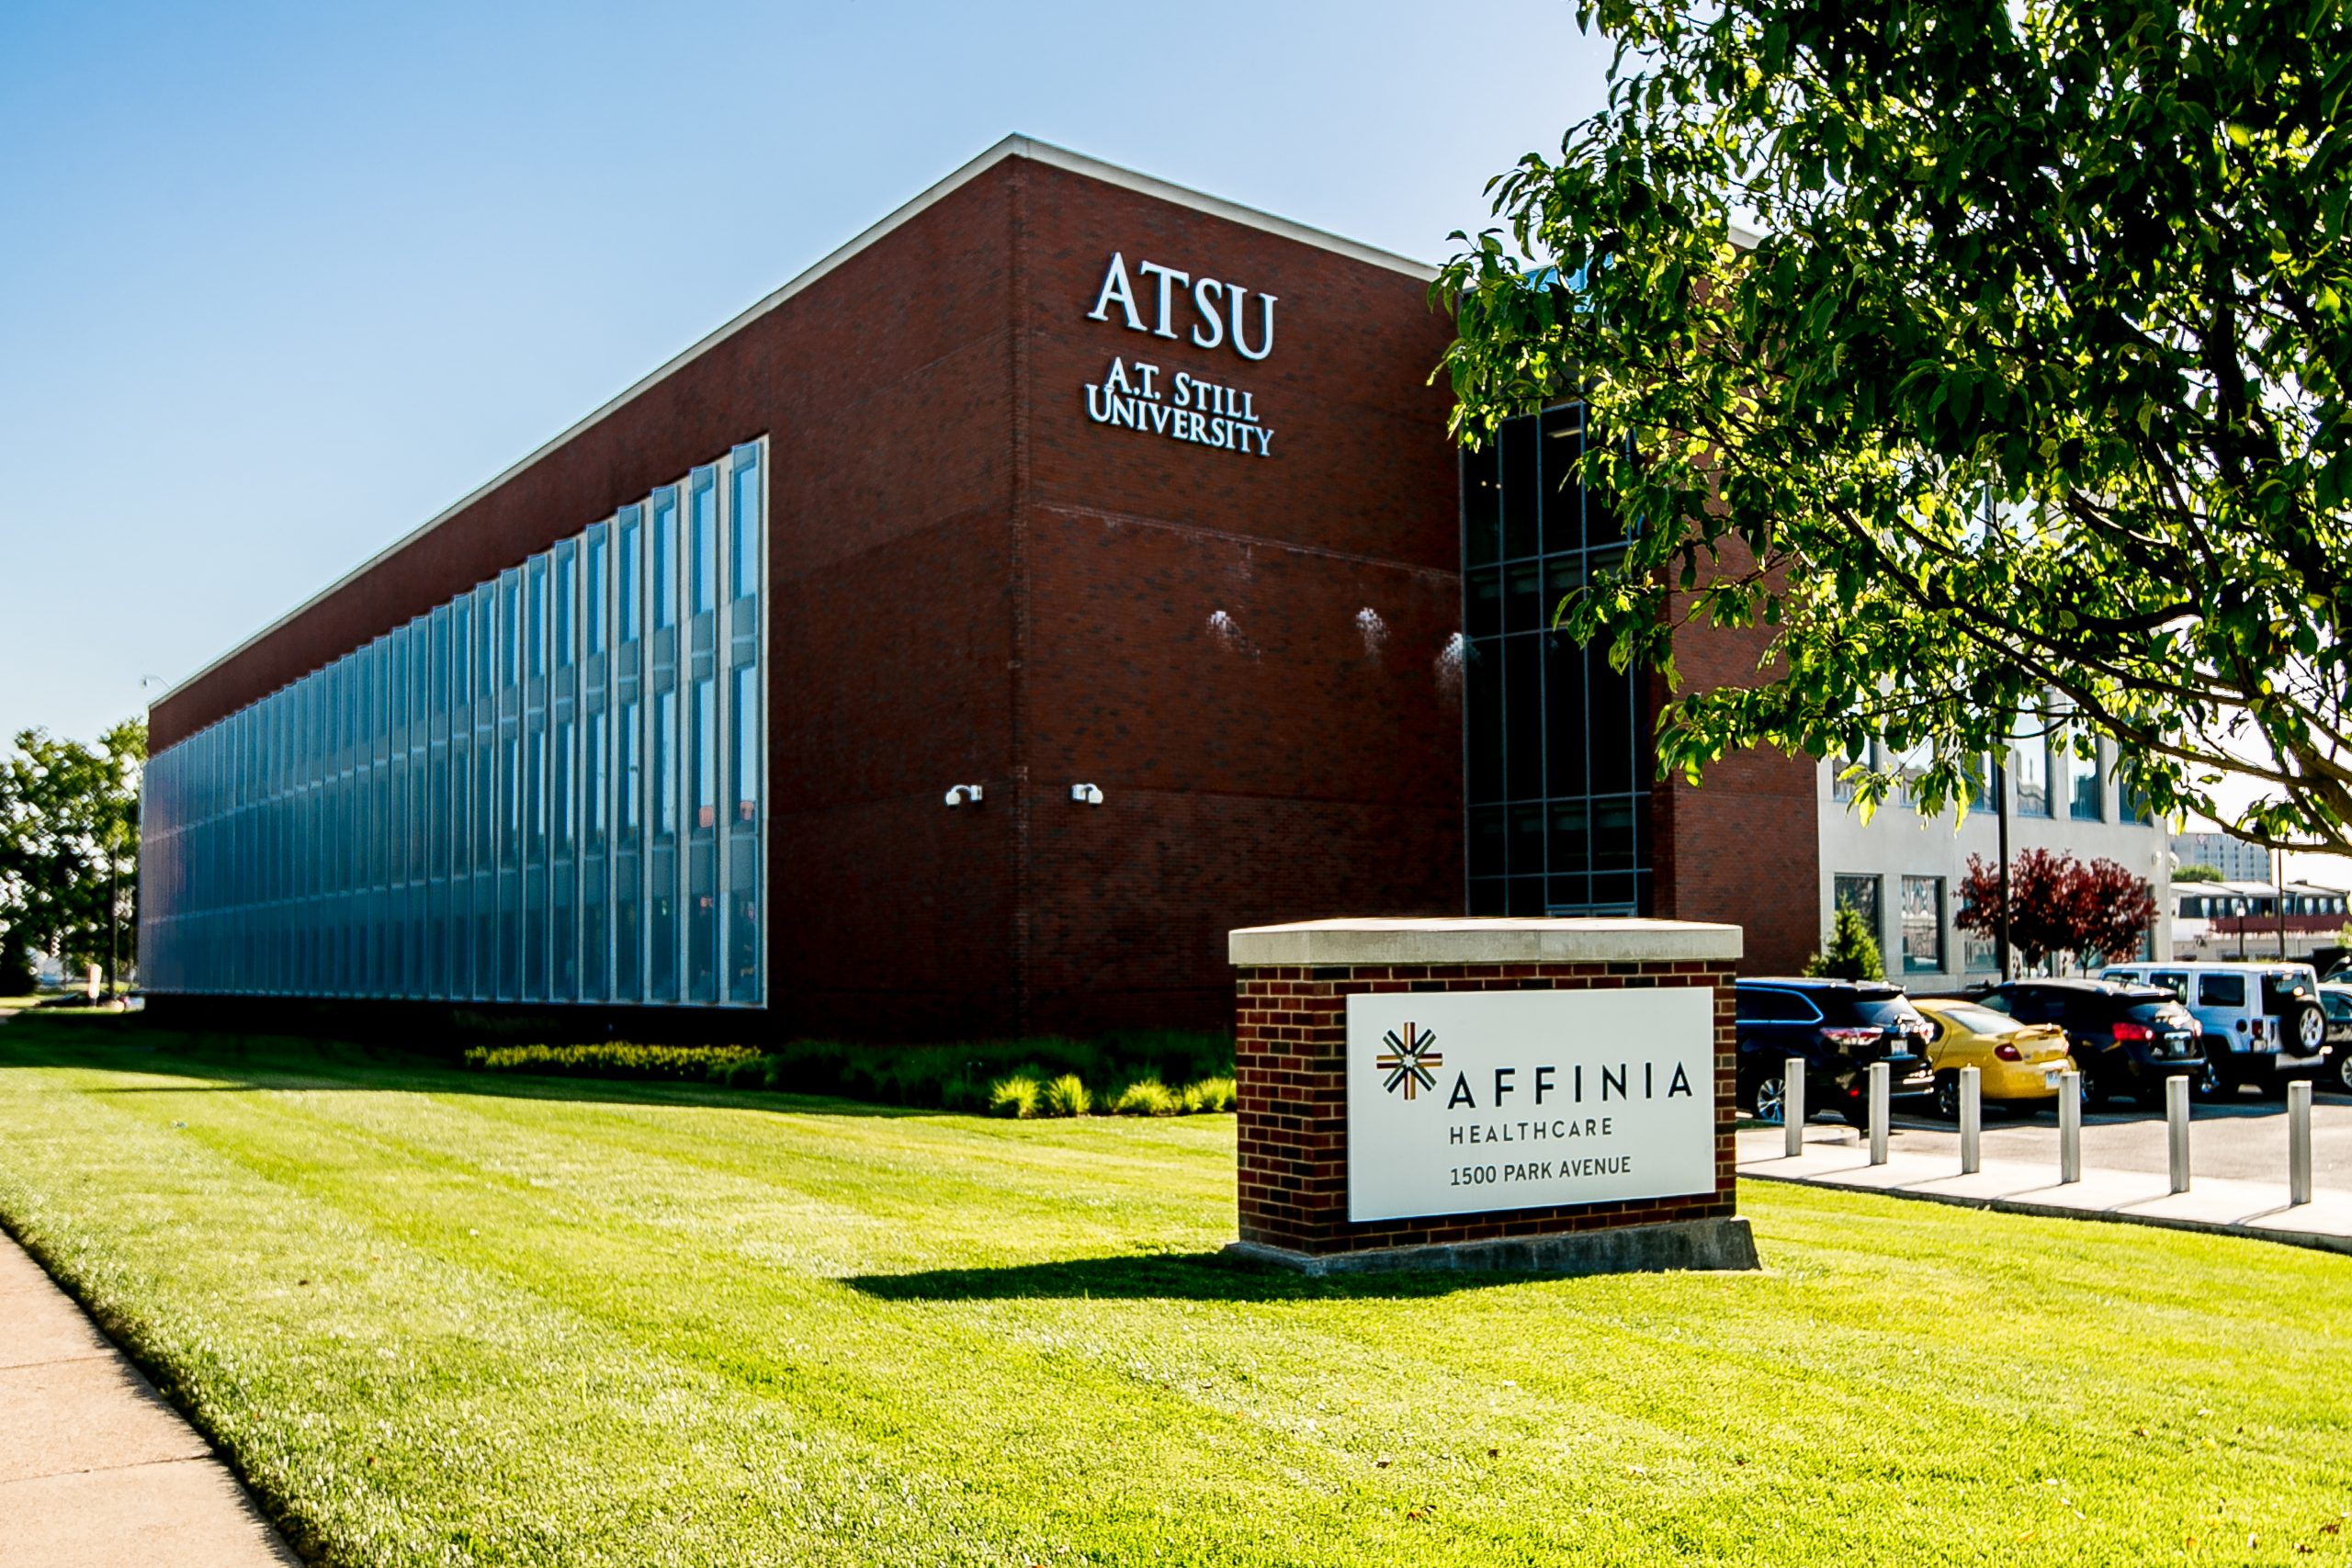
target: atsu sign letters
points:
(1469, 1102)
(1181, 405)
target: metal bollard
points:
(1971, 1120)
(2070, 1127)
(2176, 1118)
(1881, 1085)
(1792, 1105)
(2298, 1142)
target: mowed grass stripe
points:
(331, 1356)
(974, 1355)
(597, 1246)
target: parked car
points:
(2335, 1000)
(2127, 1039)
(2017, 1063)
(2263, 1023)
(1839, 1027)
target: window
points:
(706, 755)
(565, 599)
(593, 594)
(2086, 800)
(702, 535)
(535, 630)
(1860, 894)
(632, 772)
(1761, 1004)
(2221, 990)
(406, 820)
(2030, 763)
(2173, 980)
(665, 764)
(743, 525)
(1923, 925)
(1557, 744)
(625, 574)
(664, 573)
(1841, 788)
(743, 723)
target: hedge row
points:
(1135, 1067)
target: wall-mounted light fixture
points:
(1091, 794)
(962, 793)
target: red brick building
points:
(1131, 509)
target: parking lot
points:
(2244, 1139)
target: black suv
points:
(1839, 1027)
(2126, 1039)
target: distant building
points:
(2226, 920)
(1904, 872)
(2236, 860)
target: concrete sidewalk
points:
(95, 1469)
(1839, 1156)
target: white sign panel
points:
(1472, 1101)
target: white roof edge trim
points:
(1015, 146)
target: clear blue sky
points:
(279, 282)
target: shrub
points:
(1146, 1096)
(1210, 1094)
(1015, 1096)
(1853, 952)
(1066, 1096)
(619, 1059)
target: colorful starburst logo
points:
(1409, 1060)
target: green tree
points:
(2028, 404)
(69, 845)
(1852, 953)
(2198, 874)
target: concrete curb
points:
(2324, 1241)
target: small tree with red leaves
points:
(2057, 905)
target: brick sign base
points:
(1291, 986)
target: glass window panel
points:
(1860, 894)
(631, 736)
(1481, 506)
(744, 739)
(1522, 716)
(665, 765)
(743, 532)
(1923, 925)
(534, 625)
(626, 569)
(593, 593)
(1522, 488)
(664, 564)
(705, 766)
(701, 539)
(1562, 444)
(2029, 765)
(567, 596)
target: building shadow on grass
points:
(1171, 1276)
(237, 1063)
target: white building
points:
(2236, 860)
(1905, 872)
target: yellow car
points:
(2018, 1062)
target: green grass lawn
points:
(441, 1317)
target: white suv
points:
(2262, 1023)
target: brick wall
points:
(1291, 1031)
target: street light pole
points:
(2279, 879)
(2001, 923)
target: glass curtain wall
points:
(1558, 759)
(545, 790)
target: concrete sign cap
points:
(1578, 939)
